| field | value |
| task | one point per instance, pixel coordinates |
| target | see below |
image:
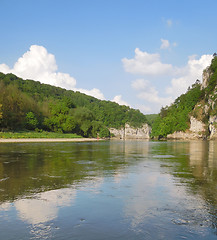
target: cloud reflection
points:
(44, 207)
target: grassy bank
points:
(33, 134)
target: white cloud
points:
(188, 75)
(39, 65)
(95, 92)
(149, 93)
(165, 44)
(140, 84)
(144, 109)
(118, 99)
(176, 82)
(4, 68)
(146, 64)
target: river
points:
(108, 190)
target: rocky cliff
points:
(213, 127)
(206, 76)
(197, 131)
(203, 118)
(129, 132)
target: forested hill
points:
(27, 104)
(199, 102)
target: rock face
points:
(205, 109)
(129, 132)
(118, 133)
(213, 127)
(184, 135)
(137, 133)
(205, 77)
(196, 131)
(197, 126)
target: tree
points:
(104, 133)
(14, 108)
(69, 126)
(176, 116)
(0, 111)
(31, 121)
(29, 103)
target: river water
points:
(108, 190)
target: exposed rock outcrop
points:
(137, 133)
(213, 127)
(197, 126)
(196, 131)
(118, 133)
(185, 135)
(204, 122)
(205, 77)
(129, 132)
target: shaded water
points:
(108, 190)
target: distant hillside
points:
(195, 111)
(27, 104)
(151, 118)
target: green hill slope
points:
(200, 102)
(27, 104)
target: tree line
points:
(31, 105)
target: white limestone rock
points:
(196, 131)
(118, 133)
(137, 133)
(184, 135)
(213, 127)
(197, 126)
(132, 133)
(205, 78)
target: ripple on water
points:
(163, 156)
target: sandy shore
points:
(23, 140)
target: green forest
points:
(176, 116)
(31, 105)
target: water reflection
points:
(45, 204)
(199, 162)
(193, 164)
(140, 189)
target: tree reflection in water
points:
(140, 189)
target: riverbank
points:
(35, 134)
(29, 140)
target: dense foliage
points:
(27, 104)
(176, 117)
(213, 79)
(151, 118)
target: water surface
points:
(108, 190)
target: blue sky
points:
(136, 52)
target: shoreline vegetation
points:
(40, 140)
(32, 136)
(35, 134)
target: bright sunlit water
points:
(108, 190)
